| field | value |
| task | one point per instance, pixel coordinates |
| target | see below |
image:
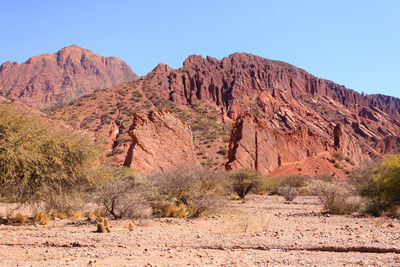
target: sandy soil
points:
(264, 231)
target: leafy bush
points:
(243, 181)
(37, 161)
(380, 184)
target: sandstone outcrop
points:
(256, 144)
(60, 77)
(159, 141)
(283, 119)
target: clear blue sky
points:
(352, 42)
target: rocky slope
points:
(283, 119)
(60, 77)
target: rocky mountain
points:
(246, 112)
(52, 78)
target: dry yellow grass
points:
(60, 215)
(77, 215)
(177, 211)
(42, 218)
(92, 215)
(20, 218)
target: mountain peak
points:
(65, 75)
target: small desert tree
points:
(37, 160)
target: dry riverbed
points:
(263, 231)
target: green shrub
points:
(101, 228)
(37, 161)
(243, 181)
(380, 184)
(337, 165)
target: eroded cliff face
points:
(283, 119)
(267, 147)
(60, 77)
(235, 82)
(306, 145)
(159, 141)
(257, 144)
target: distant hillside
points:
(60, 77)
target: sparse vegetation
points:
(288, 192)
(121, 196)
(273, 184)
(337, 155)
(20, 218)
(337, 166)
(42, 218)
(334, 195)
(187, 191)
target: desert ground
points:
(263, 231)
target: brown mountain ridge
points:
(244, 112)
(52, 78)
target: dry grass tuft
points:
(179, 211)
(77, 215)
(20, 218)
(42, 218)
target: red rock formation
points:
(65, 75)
(282, 116)
(159, 141)
(257, 144)
(236, 81)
